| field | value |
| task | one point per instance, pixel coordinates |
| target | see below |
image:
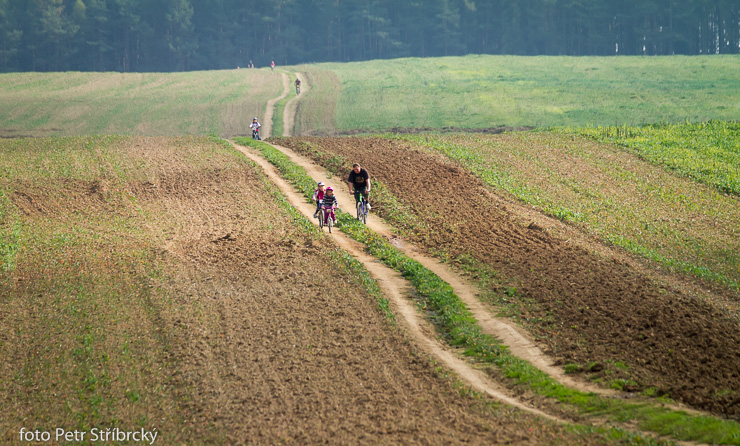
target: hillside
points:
(163, 283)
(472, 92)
(568, 286)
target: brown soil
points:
(264, 336)
(278, 344)
(590, 310)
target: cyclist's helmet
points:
(321, 183)
(330, 189)
(254, 119)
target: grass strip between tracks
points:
(460, 329)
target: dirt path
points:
(291, 108)
(510, 335)
(395, 288)
(270, 108)
(518, 342)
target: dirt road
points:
(585, 308)
(397, 290)
(518, 341)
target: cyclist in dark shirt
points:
(359, 183)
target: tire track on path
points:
(518, 341)
(396, 288)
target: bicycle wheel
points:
(321, 220)
(359, 210)
(363, 216)
(330, 223)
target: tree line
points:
(178, 35)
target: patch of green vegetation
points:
(10, 232)
(153, 104)
(484, 91)
(461, 329)
(277, 116)
(708, 152)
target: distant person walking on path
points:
(272, 66)
(297, 86)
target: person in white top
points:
(255, 126)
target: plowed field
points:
(585, 309)
(254, 329)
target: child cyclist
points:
(330, 202)
(318, 195)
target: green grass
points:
(491, 91)
(277, 115)
(464, 92)
(202, 103)
(461, 330)
(318, 101)
(707, 152)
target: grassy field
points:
(463, 92)
(492, 91)
(152, 104)
(708, 152)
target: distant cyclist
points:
(255, 126)
(359, 183)
(297, 86)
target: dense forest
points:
(176, 35)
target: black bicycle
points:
(256, 134)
